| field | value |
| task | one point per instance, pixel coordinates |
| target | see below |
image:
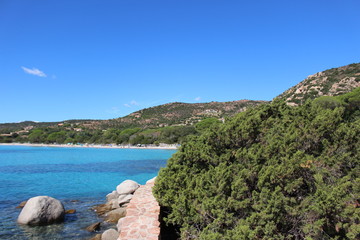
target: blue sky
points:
(89, 59)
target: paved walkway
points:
(142, 216)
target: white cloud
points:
(34, 71)
(197, 99)
(132, 103)
(113, 110)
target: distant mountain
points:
(176, 113)
(170, 114)
(331, 82)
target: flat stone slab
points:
(142, 216)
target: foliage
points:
(273, 172)
(331, 82)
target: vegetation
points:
(272, 172)
(332, 82)
(168, 123)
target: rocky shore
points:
(130, 212)
(135, 210)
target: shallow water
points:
(79, 177)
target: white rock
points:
(41, 210)
(127, 187)
(112, 195)
(110, 234)
(114, 204)
(124, 199)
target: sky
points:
(103, 59)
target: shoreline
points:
(114, 146)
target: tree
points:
(272, 172)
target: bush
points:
(273, 172)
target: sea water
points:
(79, 177)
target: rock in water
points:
(70, 211)
(42, 210)
(22, 204)
(114, 215)
(94, 227)
(110, 234)
(96, 237)
(127, 187)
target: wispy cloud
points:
(132, 103)
(113, 110)
(34, 71)
(197, 99)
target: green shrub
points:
(273, 172)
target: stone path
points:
(142, 216)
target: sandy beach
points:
(161, 146)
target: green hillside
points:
(168, 123)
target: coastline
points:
(162, 146)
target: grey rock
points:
(42, 210)
(110, 234)
(114, 215)
(111, 196)
(127, 187)
(124, 199)
(114, 204)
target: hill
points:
(332, 82)
(168, 123)
(178, 113)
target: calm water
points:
(79, 177)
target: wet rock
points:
(70, 211)
(22, 204)
(114, 215)
(94, 227)
(110, 234)
(41, 210)
(102, 208)
(96, 237)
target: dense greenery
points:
(65, 134)
(273, 172)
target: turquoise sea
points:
(79, 177)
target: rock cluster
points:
(115, 207)
(131, 206)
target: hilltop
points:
(177, 113)
(331, 82)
